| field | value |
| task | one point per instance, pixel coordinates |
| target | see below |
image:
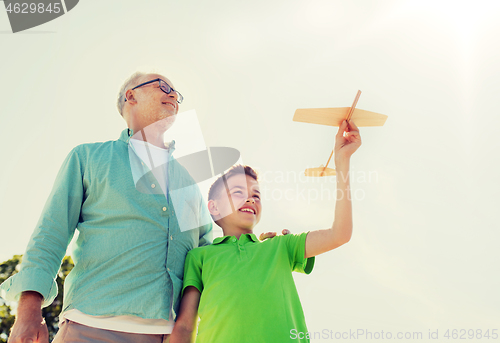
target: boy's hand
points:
(185, 325)
(347, 141)
(265, 235)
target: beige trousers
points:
(71, 332)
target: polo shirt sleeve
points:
(192, 271)
(296, 245)
(50, 239)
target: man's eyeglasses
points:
(164, 87)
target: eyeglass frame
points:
(180, 98)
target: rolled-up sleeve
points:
(54, 231)
(296, 245)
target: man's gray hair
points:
(131, 82)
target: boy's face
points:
(238, 205)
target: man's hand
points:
(265, 235)
(29, 326)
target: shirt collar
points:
(128, 133)
(245, 238)
(125, 135)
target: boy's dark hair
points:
(234, 170)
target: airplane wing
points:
(320, 171)
(335, 116)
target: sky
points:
(423, 256)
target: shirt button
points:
(168, 269)
(142, 163)
(164, 209)
(171, 238)
(234, 239)
(153, 185)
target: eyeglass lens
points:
(167, 89)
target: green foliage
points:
(7, 269)
(50, 313)
(6, 321)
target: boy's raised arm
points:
(320, 241)
(185, 326)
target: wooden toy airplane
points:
(335, 117)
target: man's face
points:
(153, 104)
(239, 204)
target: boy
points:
(243, 289)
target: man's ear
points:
(129, 96)
(212, 208)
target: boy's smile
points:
(247, 209)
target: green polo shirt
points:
(247, 289)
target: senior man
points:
(129, 255)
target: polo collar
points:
(245, 238)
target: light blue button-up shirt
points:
(130, 252)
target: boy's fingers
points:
(352, 126)
(285, 232)
(354, 134)
(342, 128)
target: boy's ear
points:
(212, 208)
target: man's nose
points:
(252, 200)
